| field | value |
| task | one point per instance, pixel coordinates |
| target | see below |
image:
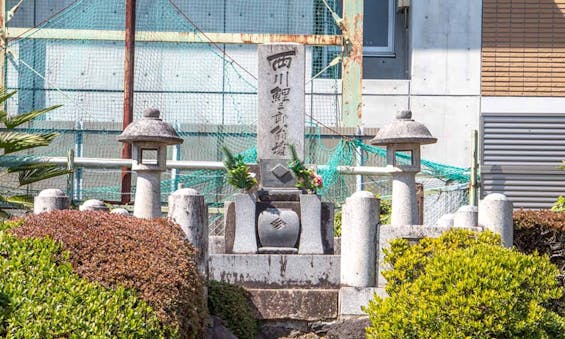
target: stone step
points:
(276, 270)
(295, 304)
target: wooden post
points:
(420, 202)
(128, 94)
(352, 65)
(473, 185)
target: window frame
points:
(388, 50)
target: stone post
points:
(446, 220)
(466, 216)
(50, 200)
(120, 211)
(245, 239)
(495, 214)
(94, 205)
(358, 240)
(311, 232)
(404, 207)
(188, 209)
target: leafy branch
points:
(238, 174)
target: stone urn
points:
(278, 229)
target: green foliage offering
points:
(464, 285)
(41, 297)
(230, 303)
(559, 205)
(238, 174)
(306, 178)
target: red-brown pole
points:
(128, 94)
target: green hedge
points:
(150, 256)
(232, 305)
(41, 297)
(466, 285)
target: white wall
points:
(444, 90)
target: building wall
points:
(444, 87)
(523, 103)
(523, 48)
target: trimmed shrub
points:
(41, 297)
(462, 285)
(230, 303)
(150, 256)
(541, 231)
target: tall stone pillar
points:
(358, 240)
(188, 209)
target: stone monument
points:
(280, 219)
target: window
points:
(378, 27)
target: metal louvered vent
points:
(521, 156)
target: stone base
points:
(278, 250)
(351, 299)
(275, 270)
(278, 194)
(326, 222)
(295, 304)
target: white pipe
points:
(205, 165)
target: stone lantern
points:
(149, 137)
(404, 137)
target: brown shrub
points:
(150, 256)
(543, 231)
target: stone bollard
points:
(466, 216)
(358, 240)
(188, 209)
(121, 211)
(495, 214)
(94, 205)
(52, 199)
(446, 220)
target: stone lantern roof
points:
(404, 130)
(150, 128)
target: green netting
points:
(205, 89)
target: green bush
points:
(150, 256)
(464, 285)
(41, 297)
(231, 304)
